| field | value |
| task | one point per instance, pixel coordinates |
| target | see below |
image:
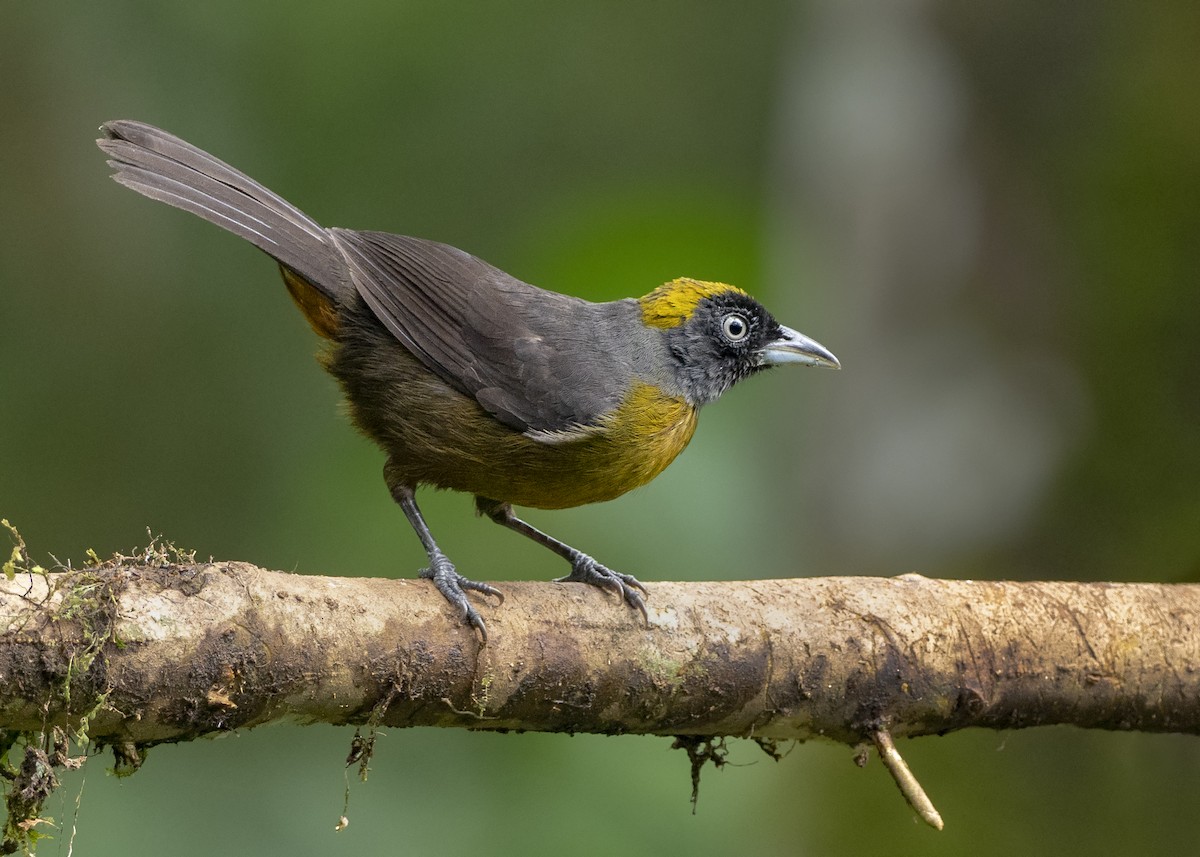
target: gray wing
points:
(540, 362)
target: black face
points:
(721, 344)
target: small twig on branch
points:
(909, 787)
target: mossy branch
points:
(136, 654)
(176, 651)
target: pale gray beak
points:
(792, 346)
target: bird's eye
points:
(735, 327)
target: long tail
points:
(164, 167)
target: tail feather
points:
(163, 167)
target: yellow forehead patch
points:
(671, 304)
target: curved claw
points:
(637, 602)
(608, 582)
(635, 583)
(454, 587)
(584, 569)
(486, 589)
(471, 617)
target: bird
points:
(471, 380)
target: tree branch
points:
(178, 651)
(138, 654)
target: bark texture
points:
(145, 654)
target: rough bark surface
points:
(172, 652)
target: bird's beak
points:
(792, 346)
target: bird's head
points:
(719, 335)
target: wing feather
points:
(538, 361)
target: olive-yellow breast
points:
(472, 380)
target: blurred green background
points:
(991, 213)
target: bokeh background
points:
(990, 212)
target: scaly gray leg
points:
(584, 569)
(441, 571)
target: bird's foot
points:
(454, 587)
(584, 569)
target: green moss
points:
(87, 600)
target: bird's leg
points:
(584, 569)
(449, 582)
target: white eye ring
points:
(735, 327)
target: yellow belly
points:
(636, 443)
(476, 454)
